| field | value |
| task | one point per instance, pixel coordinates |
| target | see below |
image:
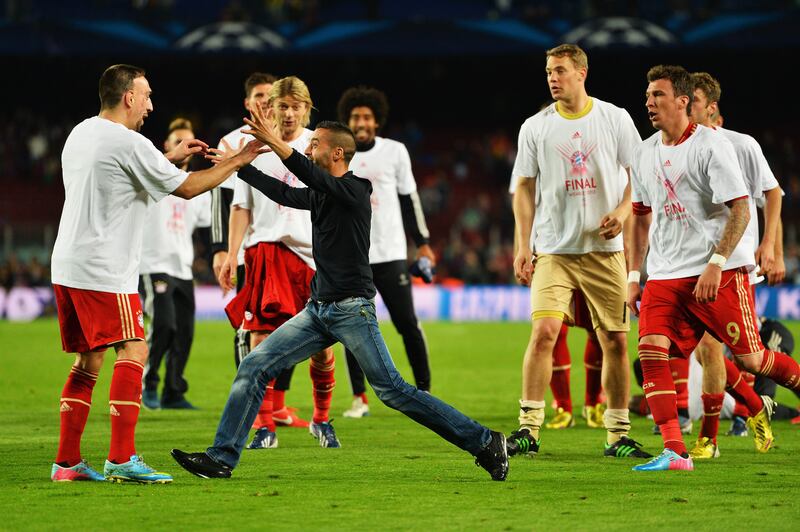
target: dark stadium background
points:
(460, 76)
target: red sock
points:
(323, 381)
(278, 400)
(679, 367)
(76, 399)
(593, 361)
(264, 416)
(363, 397)
(712, 406)
(660, 393)
(559, 382)
(737, 386)
(781, 368)
(124, 400)
(741, 410)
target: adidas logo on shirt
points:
(667, 163)
(577, 135)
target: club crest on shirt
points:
(248, 315)
(579, 182)
(160, 287)
(673, 208)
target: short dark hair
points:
(682, 84)
(363, 96)
(342, 136)
(116, 81)
(257, 78)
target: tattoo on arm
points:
(734, 229)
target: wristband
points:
(718, 260)
(634, 276)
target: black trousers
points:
(393, 282)
(241, 343)
(169, 303)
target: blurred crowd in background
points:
(462, 177)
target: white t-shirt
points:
(576, 163)
(388, 166)
(168, 246)
(686, 186)
(233, 139)
(272, 222)
(757, 176)
(111, 173)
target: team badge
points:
(161, 287)
(248, 315)
(140, 318)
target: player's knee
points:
(544, 336)
(749, 363)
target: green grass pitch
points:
(390, 474)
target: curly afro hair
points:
(363, 96)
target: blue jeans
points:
(352, 322)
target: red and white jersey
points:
(388, 167)
(233, 139)
(168, 246)
(111, 173)
(272, 222)
(686, 187)
(576, 161)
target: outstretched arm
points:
(277, 191)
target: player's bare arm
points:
(765, 254)
(524, 210)
(708, 283)
(198, 182)
(778, 272)
(637, 249)
(612, 223)
(237, 227)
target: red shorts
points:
(277, 286)
(670, 309)
(91, 320)
(580, 312)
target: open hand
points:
(262, 125)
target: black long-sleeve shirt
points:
(341, 214)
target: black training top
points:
(341, 214)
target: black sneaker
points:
(494, 457)
(201, 464)
(626, 448)
(521, 442)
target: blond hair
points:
(708, 84)
(180, 123)
(297, 89)
(573, 51)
